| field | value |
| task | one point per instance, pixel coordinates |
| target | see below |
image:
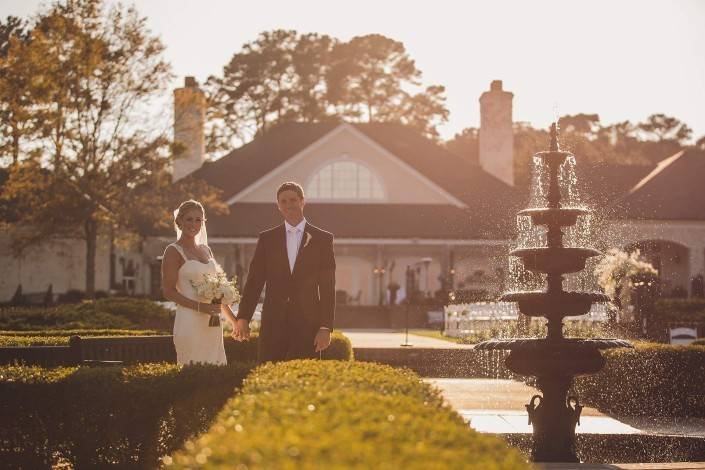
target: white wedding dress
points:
(194, 340)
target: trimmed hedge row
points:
(112, 313)
(340, 347)
(107, 417)
(60, 337)
(315, 414)
(685, 310)
(649, 380)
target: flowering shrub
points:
(618, 271)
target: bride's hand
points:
(210, 309)
(241, 330)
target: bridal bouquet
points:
(216, 289)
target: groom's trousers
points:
(289, 337)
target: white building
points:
(395, 201)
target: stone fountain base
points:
(493, 406)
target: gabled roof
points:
(237, 170)
(674, 190)
(601, 183)
(461, 178)
(489, 203)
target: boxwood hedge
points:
(112, 312)
(340, 347)
(107, 416)
(649, 380)
(684, 310)
(321, 414)
(60, 337)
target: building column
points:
(378, 271)
(696, 255)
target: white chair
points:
(682, 335)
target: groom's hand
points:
(241, 332)
(322, 339)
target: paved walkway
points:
(623, 466)
(497, 406)
(394, 339)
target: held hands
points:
(322, 340)
(241, 330)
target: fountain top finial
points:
(554, 138)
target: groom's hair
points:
(291, 186)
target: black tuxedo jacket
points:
(310, 287)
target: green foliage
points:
(108, 313)
(60, 337)
(686, 310)
(537, 328)
(87, 162)
(649, 380)
(340, 348)
(236, 351)
(285, 76)
(107, 417)
(623, 143)
(341, 415)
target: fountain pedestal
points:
(554, 360)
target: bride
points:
(186, 260)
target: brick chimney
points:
(189, 121)
(496, 133)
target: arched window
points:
(345, 180)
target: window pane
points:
(364, 183)
(345, 180)
(377, 190)
(312, 190)
(325, 182)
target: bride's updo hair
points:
(184, 207)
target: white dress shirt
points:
(294, 235)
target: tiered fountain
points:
(554, 360)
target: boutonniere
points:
(308, 239)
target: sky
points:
(622, 60)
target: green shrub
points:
(108, 416)
(340, 348)
(649, 380)
(317, 414)
(698, 342)
(537, 328)
(60, 337)
(110, 313)
(687, 310)
(71, 296)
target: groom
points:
(296, 262)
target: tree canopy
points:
(287, 76)
(86, 159)
(623, 143)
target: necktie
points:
(291, 247)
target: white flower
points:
(217, 287)
(308, 239)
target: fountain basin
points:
(554, 304)
(544, 357)
(554, 157)
(561, 217)
(555, 260)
